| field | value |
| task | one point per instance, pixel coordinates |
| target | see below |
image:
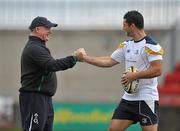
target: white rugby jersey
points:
(140, 54)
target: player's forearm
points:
(97, 61)
(149, 73)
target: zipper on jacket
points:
(42, 79)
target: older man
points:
(38, 77)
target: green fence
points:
(85, 117)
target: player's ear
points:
(37, 29)
(133, 25)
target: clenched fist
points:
(80, 53)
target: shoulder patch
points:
(121, 45)
(150, 40)
(154, 49)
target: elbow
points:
(104, 64)
(110, 65)
(107, 65)
(158, 72)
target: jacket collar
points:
(35, 38)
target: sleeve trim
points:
(160, 52)
(121, 45)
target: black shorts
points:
(36, 111)
(144, 112)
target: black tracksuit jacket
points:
(38, 67)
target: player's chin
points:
(47, 37)
(128, 34)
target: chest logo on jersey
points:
(136, 52)
(128, 50)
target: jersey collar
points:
(140, 40)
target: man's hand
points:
(127, 77)
(80, 53)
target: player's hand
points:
(82, 50)
(124, 80)
(127, 77)
(80, 53)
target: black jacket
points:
(38, 67)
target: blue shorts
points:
(144, 112)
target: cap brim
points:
(52, 25)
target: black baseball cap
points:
(41, 21)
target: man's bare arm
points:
(106, 61)
(154, 70)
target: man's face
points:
(127, 28)
(44, 32)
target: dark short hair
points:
(134, 17)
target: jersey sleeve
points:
(154, 52)
(118, 54)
